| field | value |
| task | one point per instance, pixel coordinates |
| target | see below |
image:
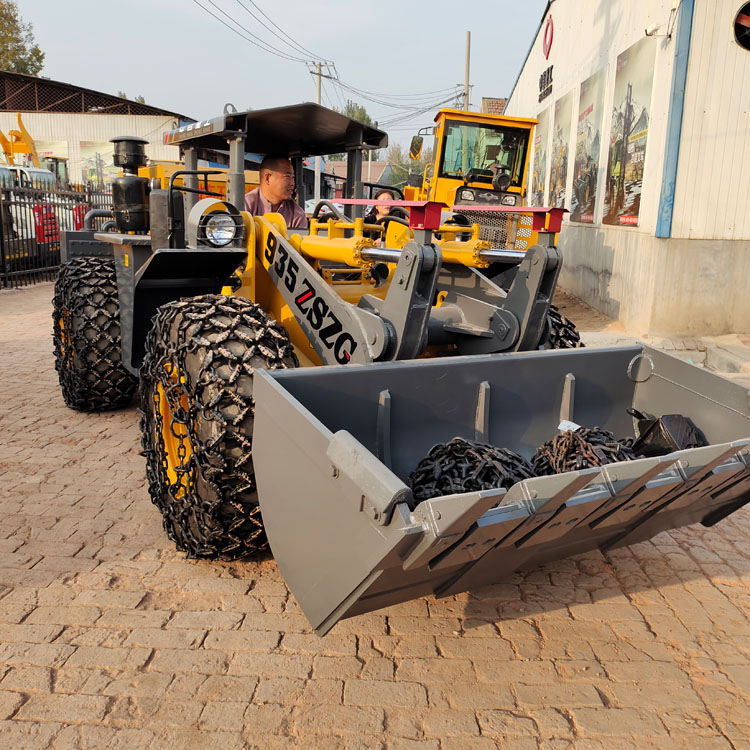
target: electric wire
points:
(397, 96)
(263, 45)
(284, 37)
(302, 49)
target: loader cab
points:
(298, 132)
(58, 166)
(479, 159)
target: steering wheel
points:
(328, 205)
(398, 219)
(399, 212)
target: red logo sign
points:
(549, 32)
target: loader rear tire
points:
(560, 332)
(86, 336)
(197, 420)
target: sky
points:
(183, 59)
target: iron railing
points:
(31, 219)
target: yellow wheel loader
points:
(225, 319)
(480, 162)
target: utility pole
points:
(369, 163)
(466, 77)
(317, 158)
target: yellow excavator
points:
(19, 143)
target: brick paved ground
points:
(109, 638)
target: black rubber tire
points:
(200, 357)
(560, 332)
(86, 337)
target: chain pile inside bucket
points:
(580, 449)
(465, 466)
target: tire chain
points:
(86, 336)
(562, 333)
(580, 449)
(466, 466)
(211, 510)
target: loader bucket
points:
(334, 447)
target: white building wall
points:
(588, 36)
(713, 173)
(696, 282)
(75, 128)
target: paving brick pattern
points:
(111, 639)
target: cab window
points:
(486, 148)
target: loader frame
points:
(432, 296)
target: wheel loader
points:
(290, 381)
(480, 162)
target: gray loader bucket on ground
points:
(333, 449)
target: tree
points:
(19, 52)
(139, 99)
(401, 165)
(356, 112)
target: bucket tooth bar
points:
(343, 527)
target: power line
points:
(263, 45)
(398, 96)
(302, 49)
(284, 37)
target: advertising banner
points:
(588, 148)
(46, 149)
(539, 173)
(627, 143)
(97, 163)
(560, 149)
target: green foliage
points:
(401, 166)
(138, 98)
(19, 52)
(356, 112)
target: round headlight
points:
(220, 229)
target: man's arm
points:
(299, 217)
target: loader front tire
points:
(560, 332)
(197, 420)
(86, 336)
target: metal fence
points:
(31, 219)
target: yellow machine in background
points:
(20, 142)
(480, 160)
(471, 150)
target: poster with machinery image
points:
(588, 148)
(539, 173)
(97, 163)
(629, 133)
(560, 148)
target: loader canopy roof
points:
(299, 130)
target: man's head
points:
(276, 179)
